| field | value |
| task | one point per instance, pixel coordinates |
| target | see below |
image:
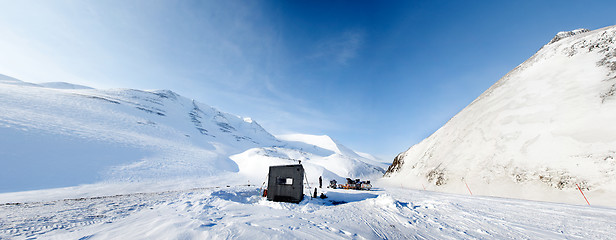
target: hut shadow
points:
(245, 196)
(338, 197)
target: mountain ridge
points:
(63, 135)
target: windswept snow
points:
(541, 131)
(238, 212)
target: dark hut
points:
(286, 183)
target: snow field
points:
(238, 212)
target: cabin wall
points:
(286, 183)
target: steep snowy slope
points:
(546, 126)
(60, 134)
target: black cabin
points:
(286, 183)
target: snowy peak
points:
(327, 143)
(319, 154)
(325, 146)
(565, 34)
(322, 141)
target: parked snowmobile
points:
(355, 184)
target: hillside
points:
(539, 132)
(61, 135)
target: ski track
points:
(238, 212)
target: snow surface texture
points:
(60, 134)
(543, 128)
(238, 212)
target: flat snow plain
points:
(238, 212)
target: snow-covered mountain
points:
(61, 134)
(543, 129)
(320, 155)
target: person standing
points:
(320, 182)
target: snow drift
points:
(61, 134)
(541, 131)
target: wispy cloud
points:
(226, 54)
(341, 48)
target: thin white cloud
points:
(341, 48)
(231, 60)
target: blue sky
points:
(379, 76)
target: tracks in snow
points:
(239, 212)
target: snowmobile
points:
(355, 184)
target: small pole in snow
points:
(424, 187)
(578, 186)
(469, 190)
